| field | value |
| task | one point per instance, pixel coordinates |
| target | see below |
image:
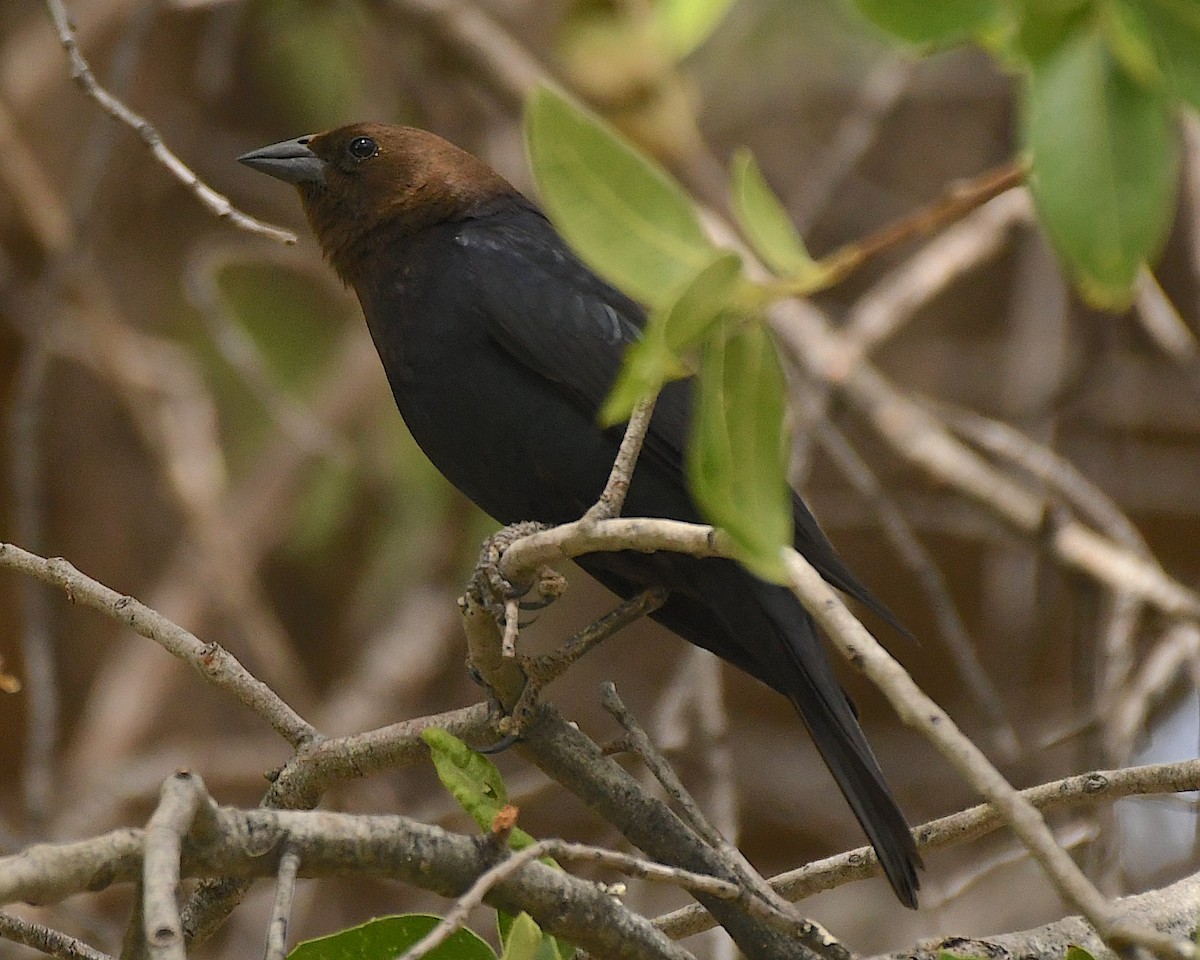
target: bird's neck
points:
(356, 241)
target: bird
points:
(500, 346)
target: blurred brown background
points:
(194, 416)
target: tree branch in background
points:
(215, 664)
(82, 74)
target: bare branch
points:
(215, 664)
(82, 74)
(613, 498)
(48, 941)
(281, 909)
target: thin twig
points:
(954, 635)
(896, 297)
(37, 637)
(1161, 320)
(815, 937)
(281, 909)
(212, 662)
(613, 498)
(856, 131)
(47, 941)
(959, 199)
(82, 74)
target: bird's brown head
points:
(368, 184)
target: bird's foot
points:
(505, 599)
(496, 589)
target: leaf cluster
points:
(1100, 82)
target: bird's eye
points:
(363, 148)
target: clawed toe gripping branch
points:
(515, 682)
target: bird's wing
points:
(546, 308)
(552, 313)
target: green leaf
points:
(766, 223)
(621, 212)
(1175, 31)
(685, 24)
(671, 329)
(1077, 953)
(548, 949)
(737, 458)
(930, 21)
(472, 780)
(1105, 165)
(524, 941)
(385, 938)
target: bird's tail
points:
(826, 711)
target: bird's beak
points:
(290, 161)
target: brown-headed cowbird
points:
(500, 345)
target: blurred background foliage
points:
(195, 416)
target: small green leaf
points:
(1105, 165)
(737, 458)
(524, 941)
(622, 213)
(766, 223)
(1175, 31)
(1077, 953)
(671, 329)
(550, 948)
(930, 21)
(385, 938)
(472, 780)
(685, 24)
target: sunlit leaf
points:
(686, 24)
(671, 329)
(1077, 953)
(1105, 165)
(766, 223)
(930, 21)
(385, 938)
(737, 456)
(623, 214)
